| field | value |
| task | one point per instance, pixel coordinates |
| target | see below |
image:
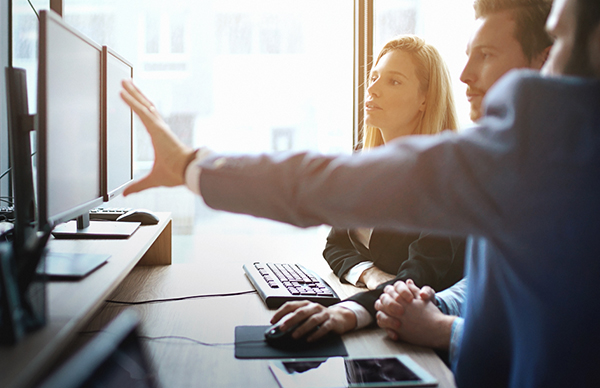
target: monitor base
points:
(96, 230)
(72, 266)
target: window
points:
(246, 76)
(236, 76)
(446, 24)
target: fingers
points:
(389, 305)
(403, 291)
(137, 94)
(399, 291)
(427, 293)
(392, 334)
(138, 107)
(137, 186)
(412, 287)
(312, 315)
(287, 308)
(388, 323)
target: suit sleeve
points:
(437, 262)
(340, 253)
(438, 259)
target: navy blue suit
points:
(525, 182)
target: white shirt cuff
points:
(354, 273)
(193, 170)
(363, 318)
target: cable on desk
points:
(196, 341)
(181, 298)
(148, 338)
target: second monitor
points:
(117, 133)
(69, 168)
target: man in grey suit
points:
(524, 183)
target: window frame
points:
(363, 60)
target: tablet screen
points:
(377, 370)
(340, 372)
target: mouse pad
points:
(250, 344)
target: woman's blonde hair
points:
(434, 78)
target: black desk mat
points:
(250, 344)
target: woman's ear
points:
(423, 105)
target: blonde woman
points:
(409, 93)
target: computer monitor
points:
(20, 125)
(69, 121)
(22, 291)
(5, 61)
(117, 128)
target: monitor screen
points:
(117, 132)
(5, 61)
(69, 106)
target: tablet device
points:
(383, 371)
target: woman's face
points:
(394, 102)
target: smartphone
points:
(345, 372)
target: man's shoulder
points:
(526, 94)
(526, 84)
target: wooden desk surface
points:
(70, 304)
(183, 363)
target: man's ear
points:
(594, 50)
(538, 61)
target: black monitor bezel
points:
(106, 193)
(41, 127)
(20, 126)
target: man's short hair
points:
(530, 18)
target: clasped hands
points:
(409, 313)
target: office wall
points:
(4, 61)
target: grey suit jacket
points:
(525, 183)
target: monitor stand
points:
(83, 228)
(71, 266)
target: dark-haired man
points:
(508, 34)
(524, 183)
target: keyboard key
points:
(278, 283)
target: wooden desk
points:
(71, 304)
(183, 363)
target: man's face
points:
(568, 55)
(493, 50)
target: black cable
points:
(5, 172)
(8, 201)
(196, 341)
(34, 10)
(10, 168)
(162, 337)
(181, 298)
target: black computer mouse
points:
(284, 340)
(146, 217)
